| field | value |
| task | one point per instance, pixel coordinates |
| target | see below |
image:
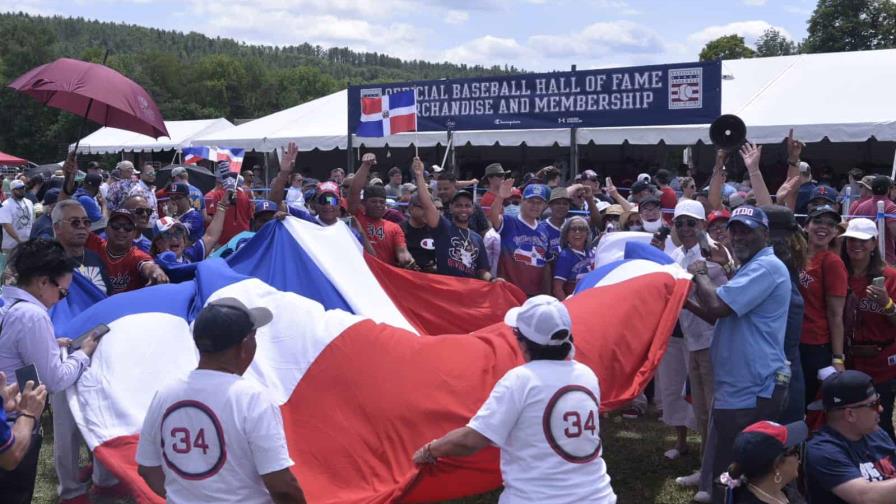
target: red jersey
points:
(124, 272)
(384, 236)
(868, 208)
(824, 276)
(874, 328)
(237, 218)
(668, 200)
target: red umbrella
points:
(95, 92)
(9, 159)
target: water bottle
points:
(782, 376)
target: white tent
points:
(846, 97)
(109, 140)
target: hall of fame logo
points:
(685, 88)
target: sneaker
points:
(81, 499)
(703, 497)
(690, 480)
(632, 413)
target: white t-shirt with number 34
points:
(544, 416)
(214, 434)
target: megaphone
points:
(728, 132)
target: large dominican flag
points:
(388, 114)
(361, 358)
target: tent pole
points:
(349, 155)
(573, 153)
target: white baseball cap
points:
(691, 208)
(861, 229)
(804, 167)
(643, 177)
(16, 184)
(542, 319)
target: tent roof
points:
(9, 159)
(845, 97)
(107, 140)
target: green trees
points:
(190, 76)
(851, 25)
(774, 43)
(727, 47)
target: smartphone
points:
(26, 374)
(878, 282)
(608, 182)
(703, 240)
(100, 330)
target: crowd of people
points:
(792, 308)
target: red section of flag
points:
(371, 106)
(376, 393)
(440, 304)
(402, 123)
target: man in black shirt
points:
(446, 188)
(418, 235)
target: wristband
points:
(889, 305)
(839, 356)
(838, 361)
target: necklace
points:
(771, 499)
(114, 257)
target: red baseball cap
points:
(718, 214)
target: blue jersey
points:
(553, 233)
(571, 266)
(459, 252)
(195, 224)
(832, 460)
(524, 250)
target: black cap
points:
(639, 186)
(51, 196)
(226, 322)
(881, 184)
(844, 388)
(825, 210)
(759, 444)
(122, 212)
(461, 194)
(93, 179)
(374, 191)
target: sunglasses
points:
(328, 200)
(118, 226)
(875, 404)
(142, 211)
(680, 223)
(515, 203)
(578, 229)
(77, 223)
(63, 292)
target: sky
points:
(534, 35)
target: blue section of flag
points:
(402, 99)
(370, 129)
(290, 268)
(82, 294)
(633, 250)
(195, 152)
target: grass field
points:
(633, 450)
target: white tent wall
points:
(112, 140)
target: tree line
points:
(190, 75)
(835, 26)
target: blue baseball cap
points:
(824, 192)
(537, 191)
(265, 206)
(749, 216)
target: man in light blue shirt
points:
(750, 370)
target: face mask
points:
(652, 227)
(512, 211)
(636, 227)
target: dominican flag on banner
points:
(363, 372)
(388, 114)
(193, 155)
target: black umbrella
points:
(46, 170)
(200, 177)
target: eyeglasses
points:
(118, 226)
(63, 292)
(142, 211)
(328, 200)
(680, 223)
(77, 223)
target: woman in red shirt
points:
(823, 287)
(872, 320)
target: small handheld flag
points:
(192, 155)
(388, 114)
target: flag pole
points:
(416, 133)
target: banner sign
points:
(686, 93)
